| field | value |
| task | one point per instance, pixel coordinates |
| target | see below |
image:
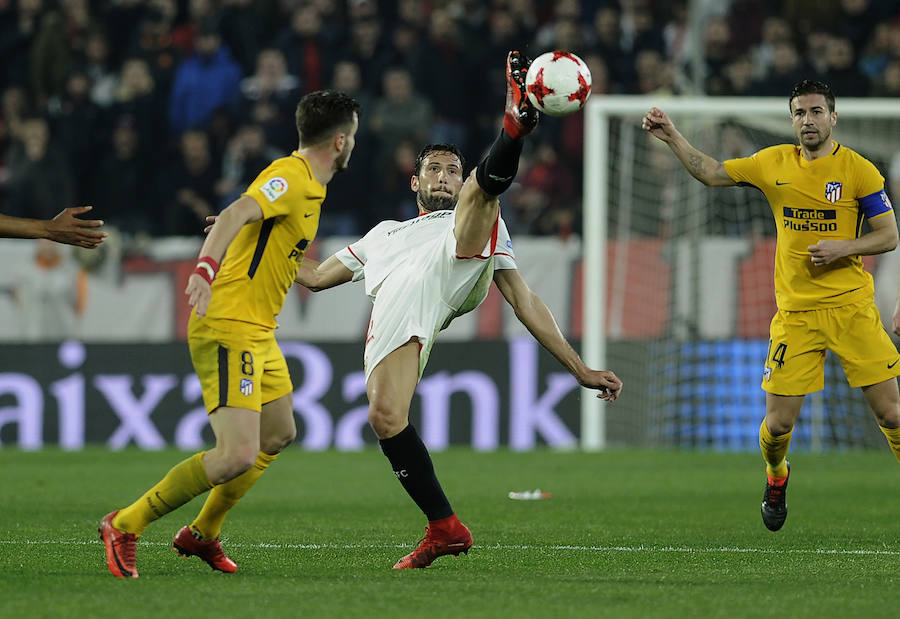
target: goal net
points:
(678, 288)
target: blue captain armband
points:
(875, 204)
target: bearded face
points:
(435, 201)
(439, 181)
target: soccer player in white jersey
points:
(424, 272)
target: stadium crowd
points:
(160, 112)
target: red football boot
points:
(121, 548)
(187, 545)
(444, 537)
(520, 116)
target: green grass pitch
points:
(626, 534)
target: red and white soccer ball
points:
(558, 83)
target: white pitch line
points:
(563, 547)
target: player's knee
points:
(778, 426)
(277, 441)
(384, 421)
(888, 416)
(236, 461)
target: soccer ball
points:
(558, 83)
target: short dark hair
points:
(321, 112)
(433, 148)
(813, 87)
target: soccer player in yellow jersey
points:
(246, 387)
(819, 192)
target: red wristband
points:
(207, 269)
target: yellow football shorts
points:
(795, 362)
(237, 367)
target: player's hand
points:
(607, 383)
(895, 319)
(827, 251)
(211, 220)
(658, 124)
(199, 293)
(67, 228)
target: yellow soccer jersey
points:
(815, 200)
(262, 261)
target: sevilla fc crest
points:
(833, 191)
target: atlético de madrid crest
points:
(833, 191)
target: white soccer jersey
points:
(417, 282)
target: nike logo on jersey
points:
(778, 182)
(499, 179)
(890, 365)
(308, 214)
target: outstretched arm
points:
(321, 275)
(535, 315)
(704, 168)
(227, 225)
(64, 228)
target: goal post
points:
(643, 214)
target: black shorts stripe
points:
(223, 376)
(264, 231)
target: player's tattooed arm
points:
(701, 166)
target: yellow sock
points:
(186, 480)
(893, 439)
(225, 496)
(774, 450)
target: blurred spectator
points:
(786, 71)
(366, 51)
(50, 56)
(351, 203)
(841, 72)
(404, 41)
(305, 49)
(51, 294)
(816, 56)
(99, 69)
(717, 46)
(855, 21)
(676, 35)
(241, 22)
(12, 107)
(154, 43)
(246, 156)
(184, 35)
(396, 200)
(440, 50)
(738, 78)
(401, 114)
(192, 187)
(40, 178)
(269, 98)
(609, 45)
(17, 33)
(204, 82)
(122, 189)
(653, 74)
(888, 85)
(876, 52)
(775, 30)
(137, 98)
(79, 125)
